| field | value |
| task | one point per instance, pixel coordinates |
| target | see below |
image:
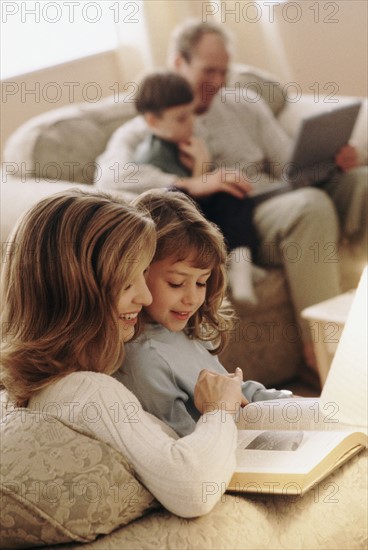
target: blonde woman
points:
(72, 292)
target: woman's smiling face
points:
(130, 302)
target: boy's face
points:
(178, 290)
(173, 124)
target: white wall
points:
(309, 42)
(31, 94)
(322, 45)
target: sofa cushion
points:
(59, 484)
(66, 150)
(250, 80)
(63, 144)
(265, 341)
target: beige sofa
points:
(50, 472)
(60, 147)
(61, 487)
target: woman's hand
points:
(219, 391)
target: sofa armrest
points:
(17, 196)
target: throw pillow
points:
(251, 80)
(59, 484)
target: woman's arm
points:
(189, 475)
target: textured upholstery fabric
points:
(60, 485)
(331, 516)
(264, 340)
(63, 144)
(247, 80)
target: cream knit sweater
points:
(188, 476)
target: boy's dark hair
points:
(162, 90)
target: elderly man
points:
(243, 133)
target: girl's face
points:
(131, 299)
(178, 290)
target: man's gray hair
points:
(188, 34)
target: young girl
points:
(188, 321)
(72, 290)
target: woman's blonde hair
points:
(183, 233)
(70, 256)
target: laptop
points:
(319, 139)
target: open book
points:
(289, 445)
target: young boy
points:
(165, 100)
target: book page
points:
(346, 384)
(290, 414)
(280, 452)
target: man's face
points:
(206, 71)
